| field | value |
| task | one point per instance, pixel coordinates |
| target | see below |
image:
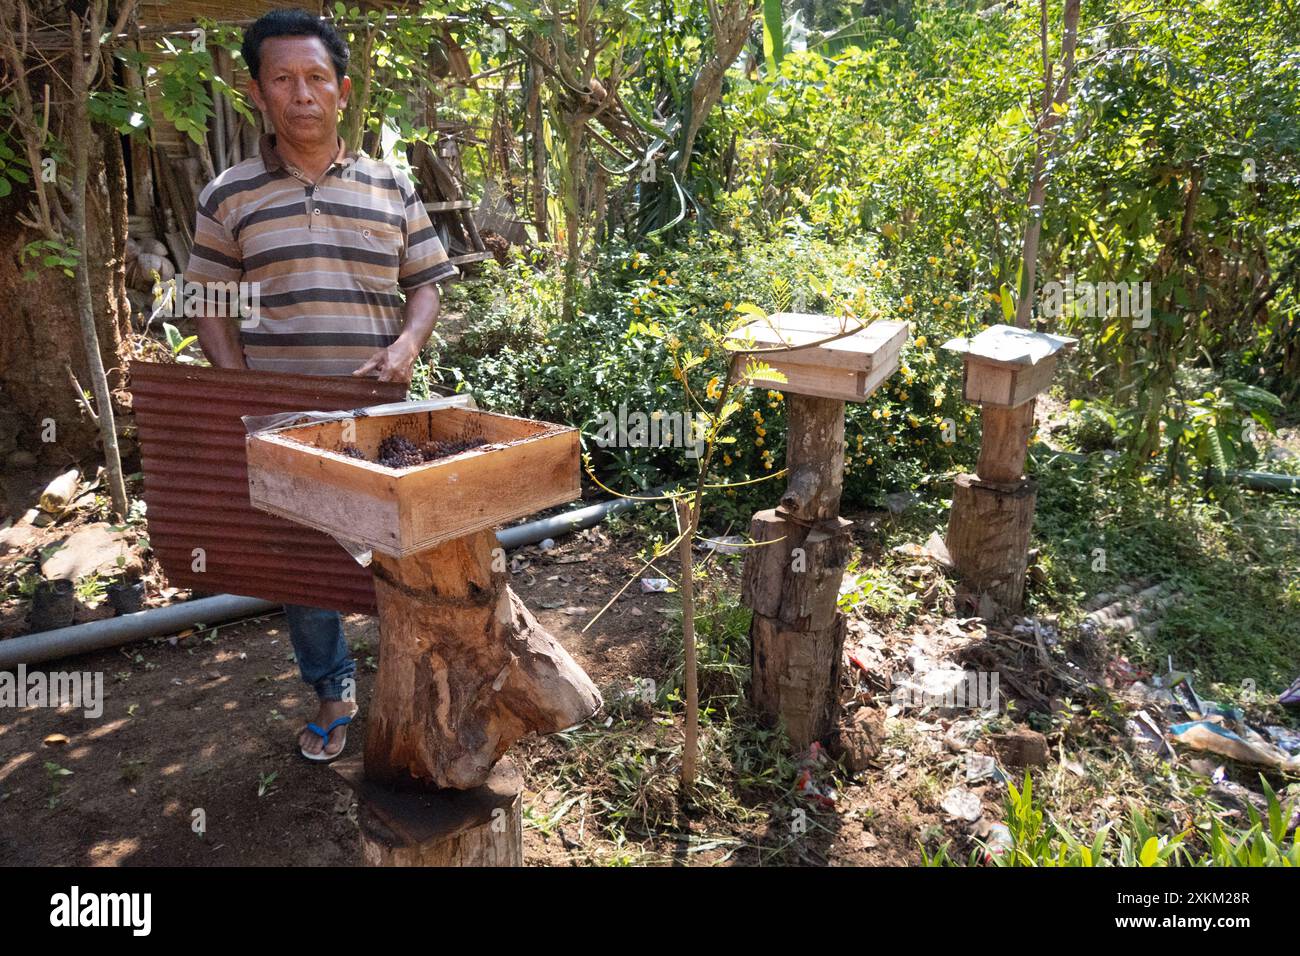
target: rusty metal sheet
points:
(196, 484)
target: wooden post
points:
(1004, 441)
(993, 510)
(792, 577)
(792, 580)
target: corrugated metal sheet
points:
(196, 484)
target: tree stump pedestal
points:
(993, 510)
(792, 574)
(465, 670)
(410, 825)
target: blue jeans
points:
(321, 651)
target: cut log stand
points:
(993, 510)
(792, 577)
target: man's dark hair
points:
(292, 22)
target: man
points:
(333, 241)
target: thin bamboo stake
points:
(690, 748)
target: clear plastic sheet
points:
(259, 424)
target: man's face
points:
(297, 88)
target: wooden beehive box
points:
(1005, 366)
(302, 474)
(848, 368)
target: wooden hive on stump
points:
(1004, 369)
(465, 670)
(792, 578)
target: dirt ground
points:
(206, 721)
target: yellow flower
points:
(726, 459)
(758, 441)
(934, 300)
(761, 430)
(727, 305)
(767, 463)
(922, 341)
(875, 413)
(758, 416)
(663, 272)
(870, 459)
(713, 390)
(934, 260)
(948, 304)
(885, 413)
(907, 301)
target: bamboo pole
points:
(690, 747)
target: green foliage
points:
(122, 110)
(178, 343)
(1038, 840)
(185, 80)
(1098, 529)
(646, 325)
(52, 254)
(918, 132)
(722, 650)
(13, 166)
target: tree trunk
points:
(792, 579)
(815, 456)
(792, 582)
(464, 669)
(988, 537)
(43, 331)
(1055, 94)
(411, 826)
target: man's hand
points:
(219, 339)
(393, 364)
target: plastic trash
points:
(998, 843)
(1246, 747)
(962, 804)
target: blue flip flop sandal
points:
(324, 735)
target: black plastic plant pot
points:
(53, 605)
(126, 597)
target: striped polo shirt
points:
(330, 259)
